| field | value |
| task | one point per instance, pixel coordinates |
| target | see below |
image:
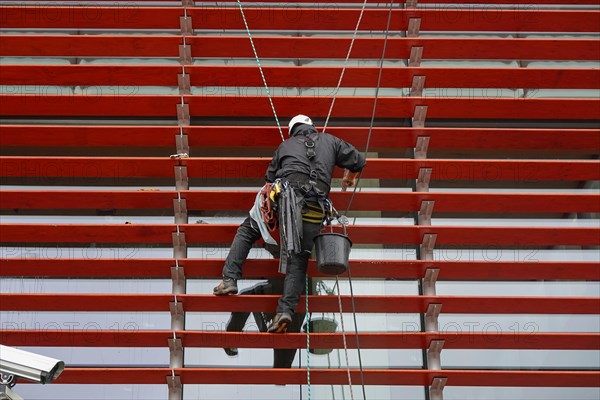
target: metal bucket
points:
(333, 251)
(321, 325)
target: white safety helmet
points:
(298, 119)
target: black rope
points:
(387, 30)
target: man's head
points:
(298, 120)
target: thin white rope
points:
(344, 338)
(362, 11)
(261, 71)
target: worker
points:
(303, 167)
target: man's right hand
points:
(349, 179)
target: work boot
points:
(231, 351)
(280, 323)
(227, 286)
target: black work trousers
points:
(294, 283)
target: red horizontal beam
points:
(364, 304)
(268, 136)
(394, 377)
(92, 16)
(112, 167)
(365, 234)
(239, 200)
(298, 47)
(89, 75)
(127, 105)
(453, 266)
(397, 48)
(368, 340)
(336, 18)
(123, 265)
(90, 45)
(453, 5)
(442, 169)
(398, 77)
(200, 75)
(480, 108)
(320, 18)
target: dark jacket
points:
(291, 161)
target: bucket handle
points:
(342, 219)
(320, 288)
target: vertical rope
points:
(387, 30)
(261, 71)
(385, 39)
(344, 339)
(362, 11)
(307, 339)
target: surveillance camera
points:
(33, 367)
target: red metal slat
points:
(127, 16)
(71, 167)
(397, 48)
(115, 104)
(121, 264)
(85, 302)
(440, 19)
(395, 340)
(396, 77)
(73, 233)
(85, 199)
(329, 2)
(464, 202)
(453, 5)
(452, 267)
(329, 18)
(90, 46)
(78, 338)
(400, 304)
(442, 169)
(364, 304)
(368, 340)
(239, 200)
(257, 136)
(493, 236)
(330, 376)
(390, 107)
(453, 170)
(89, 75)
(201, 75)
(375, 234)
(86, 135)
(228, 106)
(298, 47)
